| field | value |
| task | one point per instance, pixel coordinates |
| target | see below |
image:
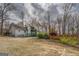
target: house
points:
(16, 30)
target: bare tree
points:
(22, 17)
(66, 9)
(4, 8)
(59, 19)
(77, 25)
(48, 21)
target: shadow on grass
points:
(3, 54)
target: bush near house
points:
(6, 34)
(73, 41)
(42, 35)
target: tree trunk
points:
(64, 24)
(68, 30)
(59, 30)
(49, 22)
(2, 24)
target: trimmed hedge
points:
(42, 35)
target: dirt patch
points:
(34, 47)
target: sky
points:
(37, 10)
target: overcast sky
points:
(33, 10)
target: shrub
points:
(39, 35)
(45, 36)
(69, 40)
(42, 35)
(53, 34)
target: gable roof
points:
(17, 26)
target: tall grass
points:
(73, 41)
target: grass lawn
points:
(30, 46)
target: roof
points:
(17, 26)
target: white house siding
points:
(29, 31)
(15, 31)
(12, 31)
(19, 33)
